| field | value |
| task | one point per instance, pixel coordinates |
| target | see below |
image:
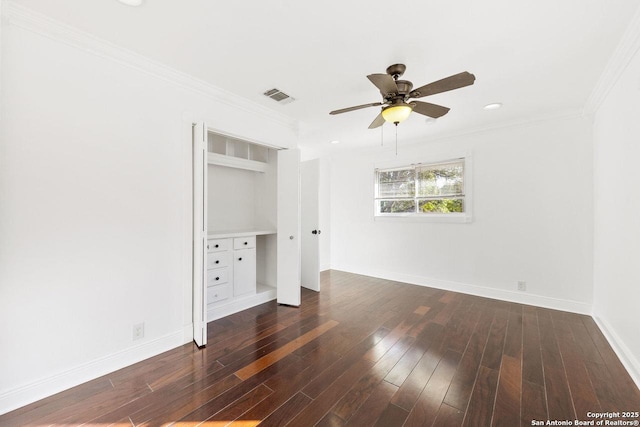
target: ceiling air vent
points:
(279, 96)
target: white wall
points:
(616, 223)
(266, 195)
(95, 204)
(324, 216)
(532, 217)
(230, 210)
(241, 199)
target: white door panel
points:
(288, 239)
(311, 234)
(199, 234)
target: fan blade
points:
(377, 122)
(357, 107)
(430, 110)
(449, 83)
(385, 83)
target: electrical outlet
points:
(138, 331)
(522, 285)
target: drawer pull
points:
(239, 259)
(217, 245)
(217, 261)
(246, 243)
(217, 278)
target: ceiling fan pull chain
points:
(396, 138)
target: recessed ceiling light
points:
(335, 141)
(131, 2)
(493, 106)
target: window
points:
(422, 190)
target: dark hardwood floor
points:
(364, 352)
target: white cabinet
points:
(244, 265)
(218, 293)
(217, 259)
(218, 245)
(218, 266)
(232, 273)
(218, 276)
(245, 242)
(244, 272)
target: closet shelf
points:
(221, 234)
(235, 162)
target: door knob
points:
(314, 232)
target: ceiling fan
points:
(398, 94)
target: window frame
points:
(455, 217)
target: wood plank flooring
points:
(363, 352)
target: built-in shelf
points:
(223, 234)
(235, 153)
(235, 162)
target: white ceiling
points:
(539, 58)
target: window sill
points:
(412, 217)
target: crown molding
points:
(25, 18)
(622, 55)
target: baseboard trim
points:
(187, 333)
(29, 393)
(481, 291)
(629, 361)
(218, 312)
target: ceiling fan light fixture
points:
(396, 113)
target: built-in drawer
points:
(218, 293)
(244, 242)
(217, 245)
(218, 259)
(217, 276)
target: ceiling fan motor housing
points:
(396, 70)
(404, 87)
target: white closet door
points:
(311, 233)
(288, 265)
(200, 234)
